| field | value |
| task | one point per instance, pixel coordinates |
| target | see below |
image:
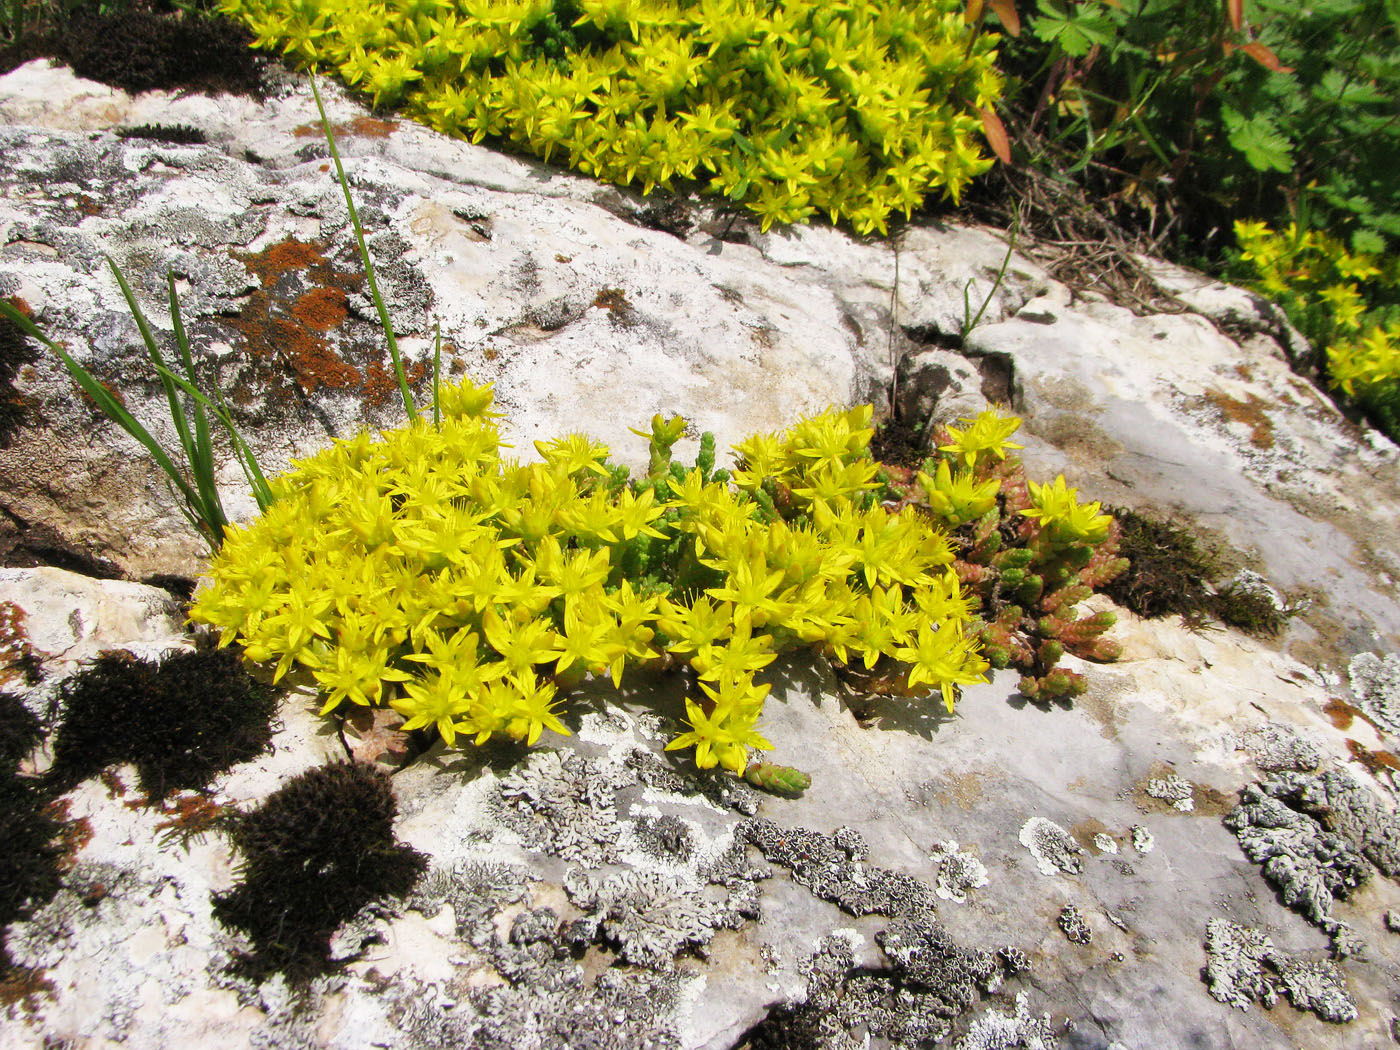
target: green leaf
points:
(1367, 242)
(1258, 138)
(1076, 31)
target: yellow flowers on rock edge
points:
(470, 592)
(854, 111)
(1343, 301)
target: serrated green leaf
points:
(1258, 138)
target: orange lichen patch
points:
(283, 257)
(1379, 763)
(367, 127)
(382, 386)
(293, 334)
(1250, 413)
(312, 361)
(321, 308)
(73, 836)
(1340, 712)
(614, 300)
(15, 649)
(188, 817)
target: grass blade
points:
(177, 413)
(262, 492)
(437, 372)
(201, 455)
(364, 257)
(111, 408)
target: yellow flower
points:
(943, 657)
(574, 452)
(1061, 513)
(988, 432)
(724, 736)
(960, 498)
(526, 707)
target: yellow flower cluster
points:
(855, 110)
(424, 571)
(1335, 296)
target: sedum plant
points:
(1028, 554)
(1345, 301)
(791, 110)
(470, 592)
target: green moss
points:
(1171, 570)
(179, 133)
(1252, 609)
(313, 854)
(144, 51)
(180, 722)
(1173, 573)
(19, 732)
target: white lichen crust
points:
(1053, 848)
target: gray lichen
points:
(1014, 960)
(933, 981)
(958, 873)
(995, 1030)
(1073, 925)
(1143, 842)
(94, 894)
(722, 790)
(1375, 683)
(1309, 865)
(477, 891)
(1244, 966)
(1174, 791)
(1053, 848)
(652, 917)
(665, 837)
(1347, 807)
(558, 1006)
(833, 873)
(1277, 746)
(562, 805)
(925, 954)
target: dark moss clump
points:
(180, 722)
(1249, 609)
(29, 857)
(179, 133)
(14, 353)
(145, 51)
(1170, 573)
(314, 853)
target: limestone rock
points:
(597, 890)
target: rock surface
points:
(1011, 875)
